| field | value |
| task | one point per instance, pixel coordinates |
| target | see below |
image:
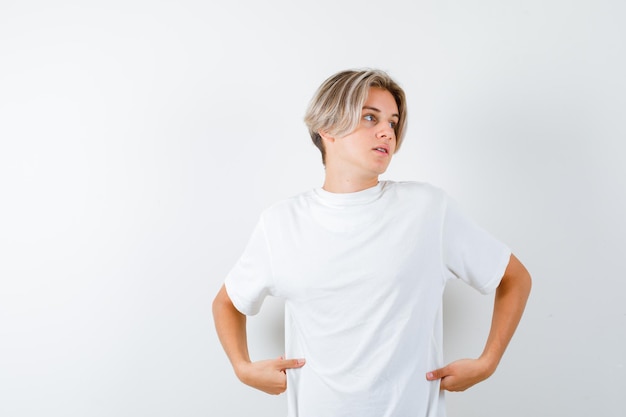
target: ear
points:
(326, 137)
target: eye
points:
(369, 118)
(393, 125)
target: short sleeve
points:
(249, 281)
(470, 253)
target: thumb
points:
(437, 374)
(290, 363)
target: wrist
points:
(488, 365)
(241, 369)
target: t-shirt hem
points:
(245, 308)
(494, 282)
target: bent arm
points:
(510, 302)
(268, 375)
(509, 305)
(230, 325)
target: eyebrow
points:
(376, 110)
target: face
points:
(366, 152)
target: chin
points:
(382, 170)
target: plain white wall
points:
(140, 140)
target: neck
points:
(335, 184)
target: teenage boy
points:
(362, 265)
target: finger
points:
(291, 363)
(437, 374)
(444, 384)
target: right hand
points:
(269, 375)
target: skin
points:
(509, 304)
(353, 163)
(267, 375)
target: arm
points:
(509, 304)
(269, 375)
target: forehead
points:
(381, 100)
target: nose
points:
(386, 132)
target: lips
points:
(381, 149)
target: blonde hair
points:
(337, 105)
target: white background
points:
(139, 141)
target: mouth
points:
(381, 149)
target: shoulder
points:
(289, 206)
(414, 198)
(415, 189)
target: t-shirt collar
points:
(348, 199)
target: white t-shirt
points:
(362, 275)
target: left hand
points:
(461, 375)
